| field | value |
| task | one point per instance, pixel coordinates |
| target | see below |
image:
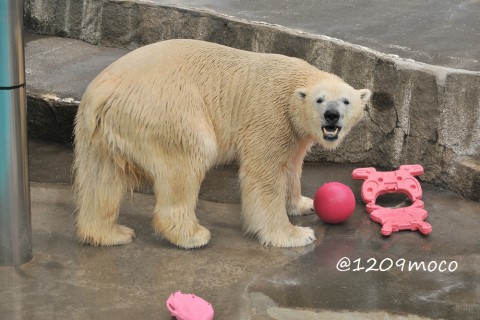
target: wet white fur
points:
(169, 111)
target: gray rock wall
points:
(419, 113)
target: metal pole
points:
(15, 219)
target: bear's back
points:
(196, 58)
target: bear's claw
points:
(303, 207)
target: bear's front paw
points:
(293, 237)
(302, 207)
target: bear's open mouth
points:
(330, 133)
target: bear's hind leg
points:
(99, 187)
(176, 191)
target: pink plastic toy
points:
(400, 181)
(184, 306)
(409, 218)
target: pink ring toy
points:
(400, 181)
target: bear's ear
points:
(365, 95)
(301, 93)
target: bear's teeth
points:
(330, 133)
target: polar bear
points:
(170, 111)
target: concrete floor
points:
(241, 278)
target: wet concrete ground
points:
(241, 278)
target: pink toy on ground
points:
(400, 181)
(409, 218)
(184, 306)
(334, 202)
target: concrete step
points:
(58, 71)
(419, 113)
(441, 32)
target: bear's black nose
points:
(331, 116)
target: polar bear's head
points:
(328, 110)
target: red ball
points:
(334, 202)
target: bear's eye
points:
(346, 102)
(320, 100)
